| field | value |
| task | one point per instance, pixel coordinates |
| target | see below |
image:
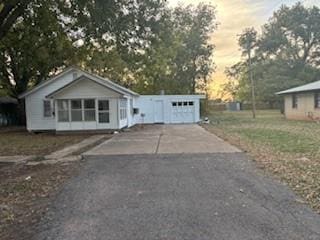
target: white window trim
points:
(84, 109)
(103, 111)
(68, 110)
(52, 110)
(77, 110)
(124, 109)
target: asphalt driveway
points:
(187, 196)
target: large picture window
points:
(104, 115)
(76, 110)
(63, 110)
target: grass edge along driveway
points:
(290, 150)
(24, 143)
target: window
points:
(63, 110)
(294, 101)
(174, 104)
(317, 100)
(89, 110)
(123, 109)
(190, 103)
(76, 110)
(47, 108)
(103, 107)
(185, 103)
(179, 104)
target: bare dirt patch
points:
(25, 194)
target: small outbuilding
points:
(302, 103)
(76, 100)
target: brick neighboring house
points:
(302, 103)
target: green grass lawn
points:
(288, 149)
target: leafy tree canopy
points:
(287, 54)
(143, 44)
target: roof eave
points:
(295, 92)
(44, 83)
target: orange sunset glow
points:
(233, 16)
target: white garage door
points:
(182, 111)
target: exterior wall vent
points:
(75, 75)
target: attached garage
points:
(168, 109)
(183, 111)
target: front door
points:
(158, 111)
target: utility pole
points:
(253, 95)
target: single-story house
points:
(302, 103)
(78, 100)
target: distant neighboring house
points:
(302, 103)
(78, 100)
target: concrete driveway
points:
(177, 196)
(159, 139)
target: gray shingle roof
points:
(304, 88)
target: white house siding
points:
(34, 104)
(87, 89)
(131, 120)
(156, 108)
(147, 104)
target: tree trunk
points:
(21, 113)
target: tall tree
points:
(248, 41)
(293, 34)
(117, 35)
(34, 47)
(287, 53)
(195, 26)
(157, 47)
(10, 11)
(157, 70)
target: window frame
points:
(92, 109)
(103, 111)
(294, 101)
(72, 110)
(51, 108)
(67, 110)
(317, 100)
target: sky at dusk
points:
(233, 16)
